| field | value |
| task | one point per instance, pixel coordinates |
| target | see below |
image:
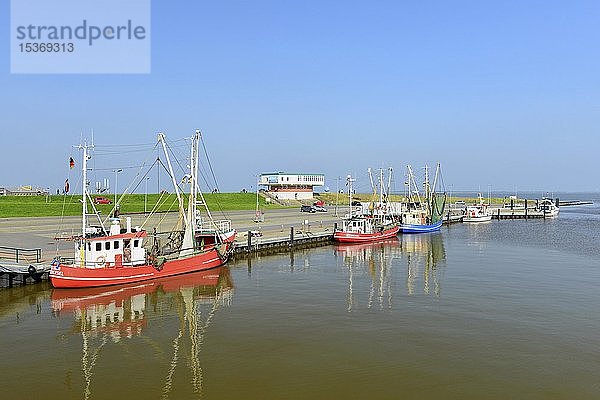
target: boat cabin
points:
(117, 249)
(358, 225)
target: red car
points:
(102, 200)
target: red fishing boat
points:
(375, 224)
(120, 255)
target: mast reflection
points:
(376, 257)
(423, 254)
(116, 314)
(426, 251)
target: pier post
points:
(512, 204)
(334, 227)
(249, 242)
(291, 236)
(525, 208)
(557, 202)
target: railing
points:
(18, 254)
(223, 225)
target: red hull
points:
(66, 276)
(352, 237)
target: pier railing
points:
(17, 254)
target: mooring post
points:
(525, 208)
(512, 204)
(498, 214)
(291, 236)
(17, 255)
(334, 227)
(557, 202)
(249, 242)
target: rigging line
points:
(151, 153)
(208, 160)
(218, 203)
(113, 168)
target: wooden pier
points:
(255, 243)
(20, 265)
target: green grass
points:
(47, 206)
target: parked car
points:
(356, 203)
(310, 209)
(320, 208)
(102, 200)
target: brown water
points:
(509, 309)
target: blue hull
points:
(409, 228)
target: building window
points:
(136, 243)
(106, 245)
(98, 246)
(116, 245)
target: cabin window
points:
(136, 243)
(116, 244)
(98, 246)
(106, 245)
(89, 246)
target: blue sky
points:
(505, 94)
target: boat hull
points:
(69, 276)
(473, 220)
(355, 237)
(418, 228)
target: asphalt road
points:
(39, 232)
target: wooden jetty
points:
(255, 243)
(20, 265)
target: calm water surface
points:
(509, 309)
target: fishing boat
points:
(549, 208)
(478, 212)
(376, 224)
(117, 255)
(423, 214)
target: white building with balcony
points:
(287, 186)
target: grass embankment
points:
(48, 206)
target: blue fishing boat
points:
(426, 214)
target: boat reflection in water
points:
(376, 257)
(117, 313)
(424, 252)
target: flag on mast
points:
(71, 162)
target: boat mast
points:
(427, 189)
(84, 192)
(380, 186)
(349, 181)
(389, 185)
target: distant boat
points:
(423, 214)
(549, 208)
(375, 225)
(478, 212)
